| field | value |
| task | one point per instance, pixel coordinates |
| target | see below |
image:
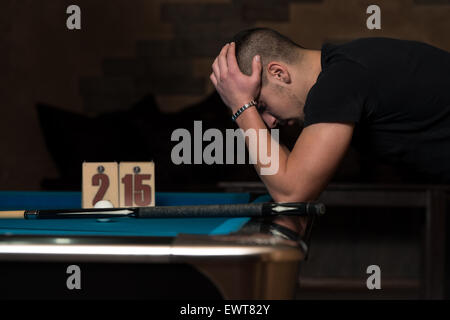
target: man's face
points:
(278, 106)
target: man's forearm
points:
(278, 185)
(275, 183)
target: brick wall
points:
(165, 47)
(166, 67)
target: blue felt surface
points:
(125, 226)
(34, 200)
(122, 226)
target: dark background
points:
(126, 51)
(137, 70)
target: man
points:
(390, 97)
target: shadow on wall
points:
(143, 133)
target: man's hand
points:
(234, 87)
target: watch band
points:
(242, 109)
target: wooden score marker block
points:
(100, 182)
(137, 184)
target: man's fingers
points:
(231, 59)
(215, 67)
(213, 79)
(256, 67)
(223, 60)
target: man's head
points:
(280, 57)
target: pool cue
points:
(12, 214)
(197, 211)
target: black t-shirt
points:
(398, 95)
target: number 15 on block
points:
(137, 184)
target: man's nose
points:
(270, 120)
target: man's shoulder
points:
(376, 47)
(370, 42)
(369, 54)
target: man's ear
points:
(278, 71)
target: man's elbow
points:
(290, 197)
(295, 196)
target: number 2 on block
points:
(102, 180)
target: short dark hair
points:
(268, 44)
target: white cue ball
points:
(103, 204)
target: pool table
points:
(129, 258)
